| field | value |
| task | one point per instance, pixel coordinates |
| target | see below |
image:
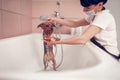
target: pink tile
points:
(0, 24)
(72, 9)
(11, 5)
(69, 9)
(43, 8)
(26, 23)
(35, 23)
(10, 24)
(26, 7)
(0, 4)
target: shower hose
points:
(57, 35)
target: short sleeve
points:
(102, 20)
(89, 19)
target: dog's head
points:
(47, 27)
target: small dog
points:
(48, 50)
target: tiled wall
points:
(0, 24)
(69, 8)
(15, 17)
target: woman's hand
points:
(52, 20)
(50, 43)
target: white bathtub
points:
(21, 58)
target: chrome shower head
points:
(44, 18)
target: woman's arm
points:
(70, 23)
(82, 39)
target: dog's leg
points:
(54, 64)
(52, 58)
(45, 56)
(45, 61)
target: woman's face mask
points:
(91, 13)
(90, 10)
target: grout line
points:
(14, 12)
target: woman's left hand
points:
(50, 43)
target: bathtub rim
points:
(105, 61)
(39, 35)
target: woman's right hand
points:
(51, 20)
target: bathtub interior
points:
(25, 54)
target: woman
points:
(101, 26)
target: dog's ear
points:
(42, 25)
(39, 26)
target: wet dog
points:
(48, 29)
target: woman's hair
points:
(86, 3)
